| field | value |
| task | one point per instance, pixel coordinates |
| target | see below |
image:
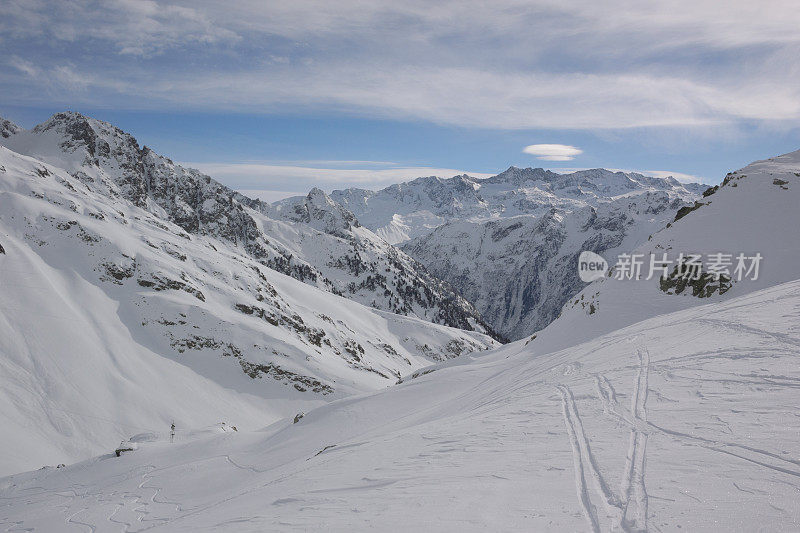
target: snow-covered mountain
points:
(646, 406)
(752, 212)
(125, 307)
(508, 243)
(358, 264)
(323, 246)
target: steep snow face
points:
(110, 161)
(685, 421)
(754, 211)
(520, 270)
(115, 320)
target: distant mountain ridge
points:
(404, 211)
(509, 243)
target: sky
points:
(278, 97)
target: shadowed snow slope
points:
(114, 321)
(685, 420)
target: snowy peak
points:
(77, 126)
(455, 194)
(99, 139)
(318, 210)
(518, 176)
(8, 128)
(111, 162)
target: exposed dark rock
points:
(702, 284)
(299, 382)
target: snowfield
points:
(687, 421)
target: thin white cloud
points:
(270, 196)
(553, 152)
(281, 177)
(132, 27)
(26, 67)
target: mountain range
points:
(508, 243)
(186, 270)
(667, 403)
(111, 162)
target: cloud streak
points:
(276, 177)
(506, 65)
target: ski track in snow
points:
(633, 486)
(578, 457)
(623, 514)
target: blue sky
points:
(286, 96)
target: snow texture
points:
(684, 420)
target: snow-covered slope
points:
(350, 261)
(754, 211)
(684, 422)
(628, 417)
(115, 319)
